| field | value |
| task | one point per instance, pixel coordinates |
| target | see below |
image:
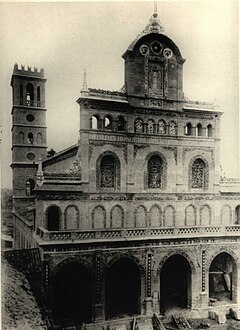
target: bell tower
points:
(29, 136)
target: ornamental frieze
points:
(103, 144)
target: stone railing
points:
(136, 233)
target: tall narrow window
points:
(188, 129)
(108, 172)
(21, 95)
(21, 137)
(39, 138)
(209, 131)
(38, 97)
(198, 174)
(172, 128)
(150, 126)
(30, 138)
(30, 184)
(94, 122)
(199, 130)
(155, 165)
(120, 123)
(107, 122)
(29, 95)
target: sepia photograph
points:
(120, 176)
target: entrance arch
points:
(123, 289)
(72, 294)
(223, 278)
(175, 283)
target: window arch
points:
(107, 122)
(199, 130)
(71, 219)
(117, 217)
(155, 172)
(39, 138)
(188, 129)
(172, 128)
(140, 217)
(53, 218)
(169, 216)
(21, 137)
(155, 216)
(205, 215)
(190, 216)
(29, 94)
(30, 185)
(209, 131)
(99, 217)
(138, 125)
(108, 171)
(120, 123)
(226, 215)
(94, 122)
(198, 174)
(162, 127)
(151, 126)
(30, 138)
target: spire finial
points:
(155, 7)
(84, 87)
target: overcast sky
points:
(65, 38)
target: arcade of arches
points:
(123, 291)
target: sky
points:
(66, 38)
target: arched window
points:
(21, 95)
(99, 217)
(155, 169)
(150, 126)
(190, 216)
(198, 179)
(226, 215)
(53, 218)
(30, 138)
(21, 137)
(237, 215)
(140, 217)
(205, 215)
(116, 217)
(30, 184)
(172, 128)
(39, 138)
(169, 216)
(199, 130)
(38, 96)
(209, 131)
(120, 123)
(107, 122)
(188, 129)
(161, 127)
(71, 217)
(29, 95)
(94, 122)
(138, 125)
(108, 172)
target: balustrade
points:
(129, 233)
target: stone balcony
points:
(45, 237)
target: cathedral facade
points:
(134, 219)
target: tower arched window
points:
(138, 125)
(188, 129)
(108, 172)
(21, 95)
(38, 96)
(21, 137)
(120, 123)
(209, 131)
(199, 130)
(155, 171)
(94, 122)
(107, 122)
(30, 138)
(198, 179)
(30, 185)
(29, 94)
(39, 138)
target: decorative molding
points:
(138, 147)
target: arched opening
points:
(30, 185)
(107, 122)
(21, 95)
(209, 131)
(39, 138)
(151, 126)
(175, 283)
(72, 295)
(38, 96)
(120, 123)
(94, 122)
(53, 218)
(198, 179)
(172, 128)
(29, 95)
(108, 172)
(237, 215)
(123, 289)
(199, 130)
(30, 138)
(21, 137)
(71, 217)
(155, 168)
(223, 279)
(188, 129)
(138, 125)
(161, 127)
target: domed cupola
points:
(153, 66)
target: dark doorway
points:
(123, 289)
(175, 283)
(222, 276)
(72, 295)
(53, 218)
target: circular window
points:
(156, 47)
(144, 50)
(30, 156)
(30, 117)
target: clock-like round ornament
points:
(156, 47)
(144, 50)
(167, 53)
